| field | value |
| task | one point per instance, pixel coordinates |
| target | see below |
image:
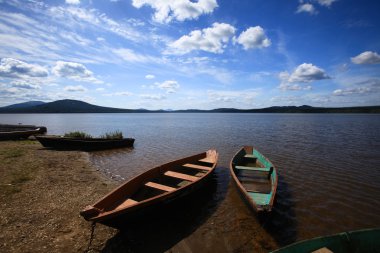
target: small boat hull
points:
(367, 240)
(152, 190)
(255, 178)
(66, 143)
(16, 132)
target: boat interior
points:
(254, 176)
(160, 180)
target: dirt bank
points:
(41, 194)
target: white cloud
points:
(243, 96)
(293, 87)
(73, 17)
(367, 57)
(100, 89)
(170, 86)
(326, 3)
(150, 76)
(253, 37)
(72, 1)
(360, 86)
(307, 7)
(74, 71)
(304, 73)
(13, 68)
(23, 84)
(167, 10)
(130, 56)
(212, 39)
(153, 96)
(123, 93)
(78, 88)
(351, 91)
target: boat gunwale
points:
(31, 131)
(347, 234)
(244, 191)
(19, 134)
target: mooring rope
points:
(93, 225)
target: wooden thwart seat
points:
(252, 168)
(160, 187)
(250, 156)
(206, 160)
(180, 176)
(126, 203)
(195, 166)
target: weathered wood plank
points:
(126, 203)
(195, 166)
(181, 176)
(160, 186)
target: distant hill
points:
(62, 106)
(25, 104)
(76, 106)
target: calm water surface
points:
(329, 167)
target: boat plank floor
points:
(126, 203)
(257, 187)
(180, 176)
(160, 187)
(195, 166)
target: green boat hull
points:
(363, 241)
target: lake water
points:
(328, 165)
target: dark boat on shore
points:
(16, 132)
(363, 241)
(152, 189)
(86, 144)
(255, 178)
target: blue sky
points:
(182, 54)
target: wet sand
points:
(42, 192)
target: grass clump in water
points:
(78, 135)
(112, 135)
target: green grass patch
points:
(13, 153)
(8, 190)
(82, 135)
(112, 135)
(19, 177)
(13, 182)
(78, 134)
(27, 142)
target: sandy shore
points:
(41, 194)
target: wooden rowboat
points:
(152, 189)
(255, 177)
(19, 133)
(67, 143)
(366, 240)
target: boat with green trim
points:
(255, 177)
(366, 240)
